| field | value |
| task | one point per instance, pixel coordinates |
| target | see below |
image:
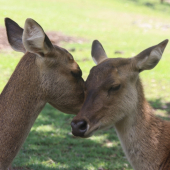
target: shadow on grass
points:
(160, 106)
(153, 5)
(50, 145)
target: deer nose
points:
(79, 127)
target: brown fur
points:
(36, 80)
(114, 97)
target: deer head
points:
(113, 89)
(59, 75)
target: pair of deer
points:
(111, 96)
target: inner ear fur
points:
(150, 57)
(34, 38)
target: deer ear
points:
(97, 52)
(150, 57)
(14, 35)
(34, 38)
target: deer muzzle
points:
(79, 127)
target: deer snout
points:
(79, 127)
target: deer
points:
(114, 97)
(45, 74)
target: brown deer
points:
(114, 97)
(46, 73)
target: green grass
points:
(51, 146)
(126, 25)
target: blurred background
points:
(125, 28)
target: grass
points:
(126, 25)
(51, 146)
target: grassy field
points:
(123, 25)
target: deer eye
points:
(114, 88)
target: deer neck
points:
(20, 103)
(139, 134)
